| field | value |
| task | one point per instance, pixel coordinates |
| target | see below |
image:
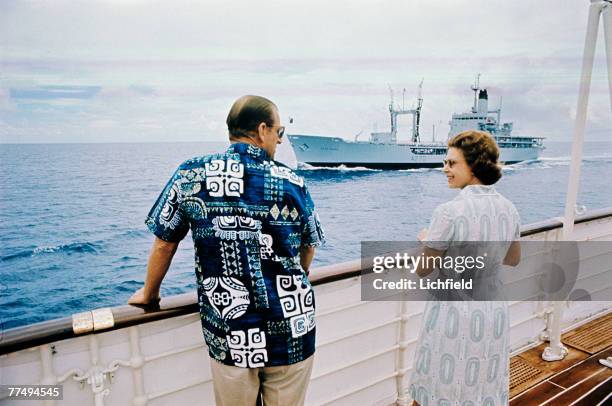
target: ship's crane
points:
(416, 116)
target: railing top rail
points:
(124, 316)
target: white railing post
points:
(581, 112)
(606, 16)
(556, 351)
(48, 375)
(137, 362)
(402, 398)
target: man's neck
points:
(244, 140)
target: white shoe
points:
(606, 362)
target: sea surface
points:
(72, 233)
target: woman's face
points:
(457, 171)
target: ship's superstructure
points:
(383, 151)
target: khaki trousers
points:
(279, 386)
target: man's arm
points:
(306, 255)
(160, 258)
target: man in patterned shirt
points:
(254, 230)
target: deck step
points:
(582, 370)
(523, 375)
(599, 396)
(528, 368)
(586, 382)
(578, 392)
(537, 395)
(591, 337)
(578, 379)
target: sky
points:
(164, 71)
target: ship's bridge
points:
(382, 138)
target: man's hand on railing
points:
(160, 258)
(140, 298)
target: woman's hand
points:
(513, 256)
(422, 235)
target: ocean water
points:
(72, 233)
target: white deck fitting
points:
(599, 9)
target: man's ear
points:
(261, 132)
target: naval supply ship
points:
(383, 151)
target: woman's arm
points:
(429, 255)
(513, 256)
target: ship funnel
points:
(483, 101)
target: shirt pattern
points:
(249, 216)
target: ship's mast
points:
(475, 89)
(393, 120)
(417, 116)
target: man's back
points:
(255, 231)
(249, 216)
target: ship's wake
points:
(341, 168)
(552, 162)
(420, 170)
(69, 249)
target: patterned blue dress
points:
(462, 353)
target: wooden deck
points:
(579, 379)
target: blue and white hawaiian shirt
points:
(248, 217)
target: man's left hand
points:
(139, 298)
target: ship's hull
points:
(333, 152)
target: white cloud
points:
(163, 65)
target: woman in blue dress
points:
(462, 354)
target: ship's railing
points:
(364, 349)
(124, 316)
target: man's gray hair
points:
(247, 113)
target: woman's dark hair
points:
(247, 113)
(481, 154)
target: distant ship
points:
(383, 151)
